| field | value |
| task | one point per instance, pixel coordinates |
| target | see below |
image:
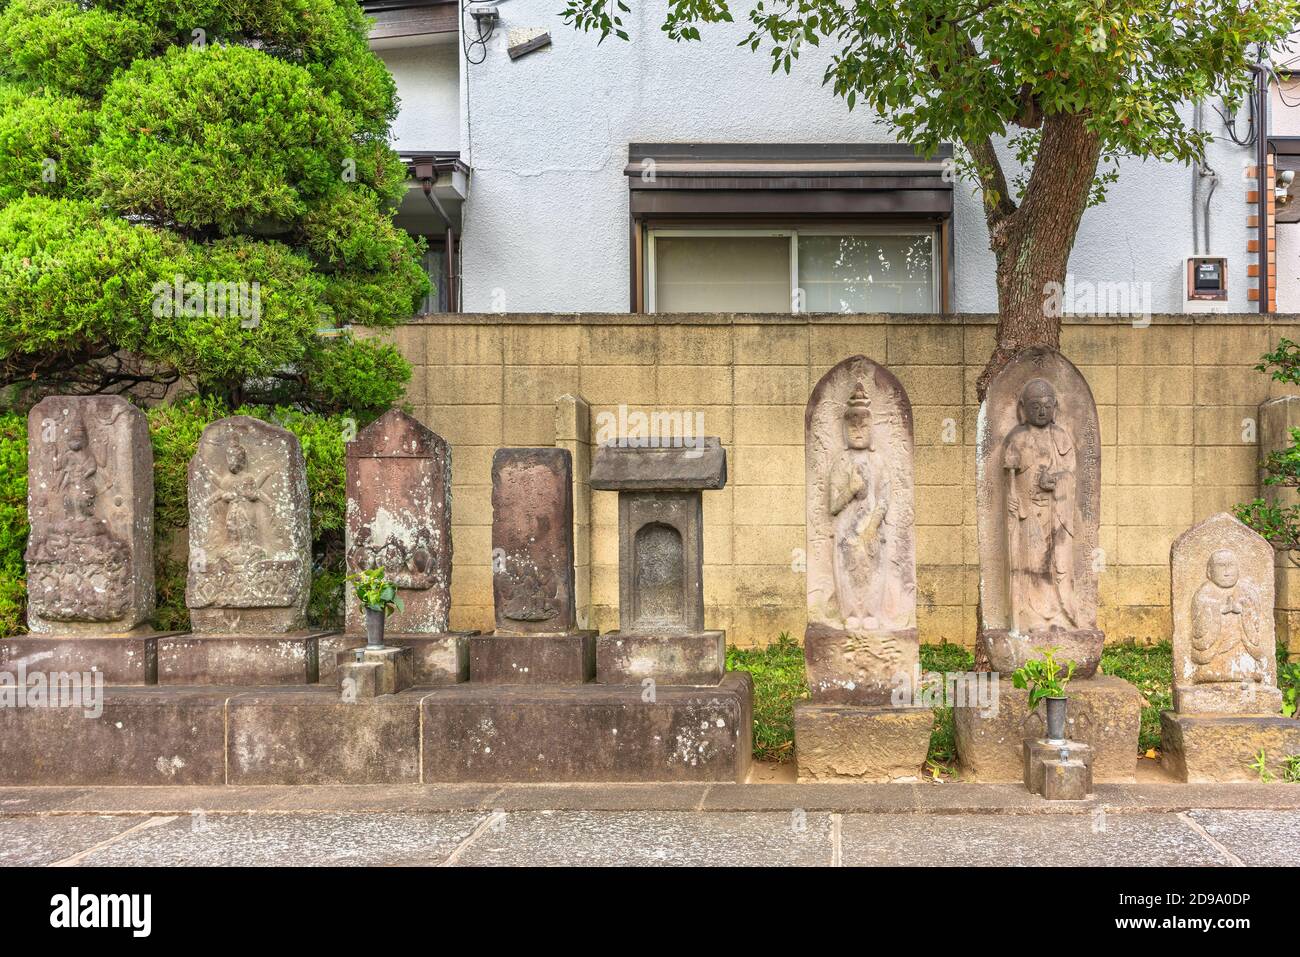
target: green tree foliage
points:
(1276, 520)
(1066, 87)
(192, 190)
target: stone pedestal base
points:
(1007, 651)
(122, 659)
(589, 733)
(1248, 697)
(239, 660)
(1055, 760)
(848, 743)
(533, 659)
(373, 672)
(437, 659)
(694, 658)
(857, 668)
(1104, 712)
(297, 736)
(1207, 749)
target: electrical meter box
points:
(1207, 279)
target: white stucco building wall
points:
(546, 136)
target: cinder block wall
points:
(1177, 402)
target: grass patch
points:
(1149, 668)
(943, 740)
(779, 682)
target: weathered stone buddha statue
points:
(860, 491)
(1229, 641)
(1040, 463)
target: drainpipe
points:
(424, 172)
(1261, 167)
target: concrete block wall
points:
(1177, 401)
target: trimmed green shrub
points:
(194, 189)
(13, 523)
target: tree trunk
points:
(1032, 244)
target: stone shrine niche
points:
(1038, 459)
(660, 576)
(399, 518)
(90, 501)
(1224, 646)
(532, 541)
(861, 553)
(250, 538)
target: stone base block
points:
(1104, 712)
(121, 659)
(308, 736)
(857, 668)
(239, 660)
(694, 658)
(1207, 749)
(1006, 651)
(439, 658)
(1069, 780)
(142, 736)
(1041, 753)
(533, 659)
(373, 672)
(589, 733)
(1247, 697)
(847, 743)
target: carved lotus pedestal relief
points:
(249, 564)
(399, 519)
(89, 558)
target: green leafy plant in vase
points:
(378, 596)
(1046, 681)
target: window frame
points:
(933, 230)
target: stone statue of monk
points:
(1227, 632)
(860, 490)
(1039, 461)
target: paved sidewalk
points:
(839, 825)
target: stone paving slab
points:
(648, 838)
(1024, 840)
(949, 798)
(1256, 838)
(42, 841)
(653, 838)
(374, 839)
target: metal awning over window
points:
(799, 179)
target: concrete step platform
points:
(307, 735)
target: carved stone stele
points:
(861, 556)
(90, 501)
(399, 518)
(532, 541)
(1038, 489)
(250, 530)
(1225, 657)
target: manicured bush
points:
(13, 523)
(211, 148)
